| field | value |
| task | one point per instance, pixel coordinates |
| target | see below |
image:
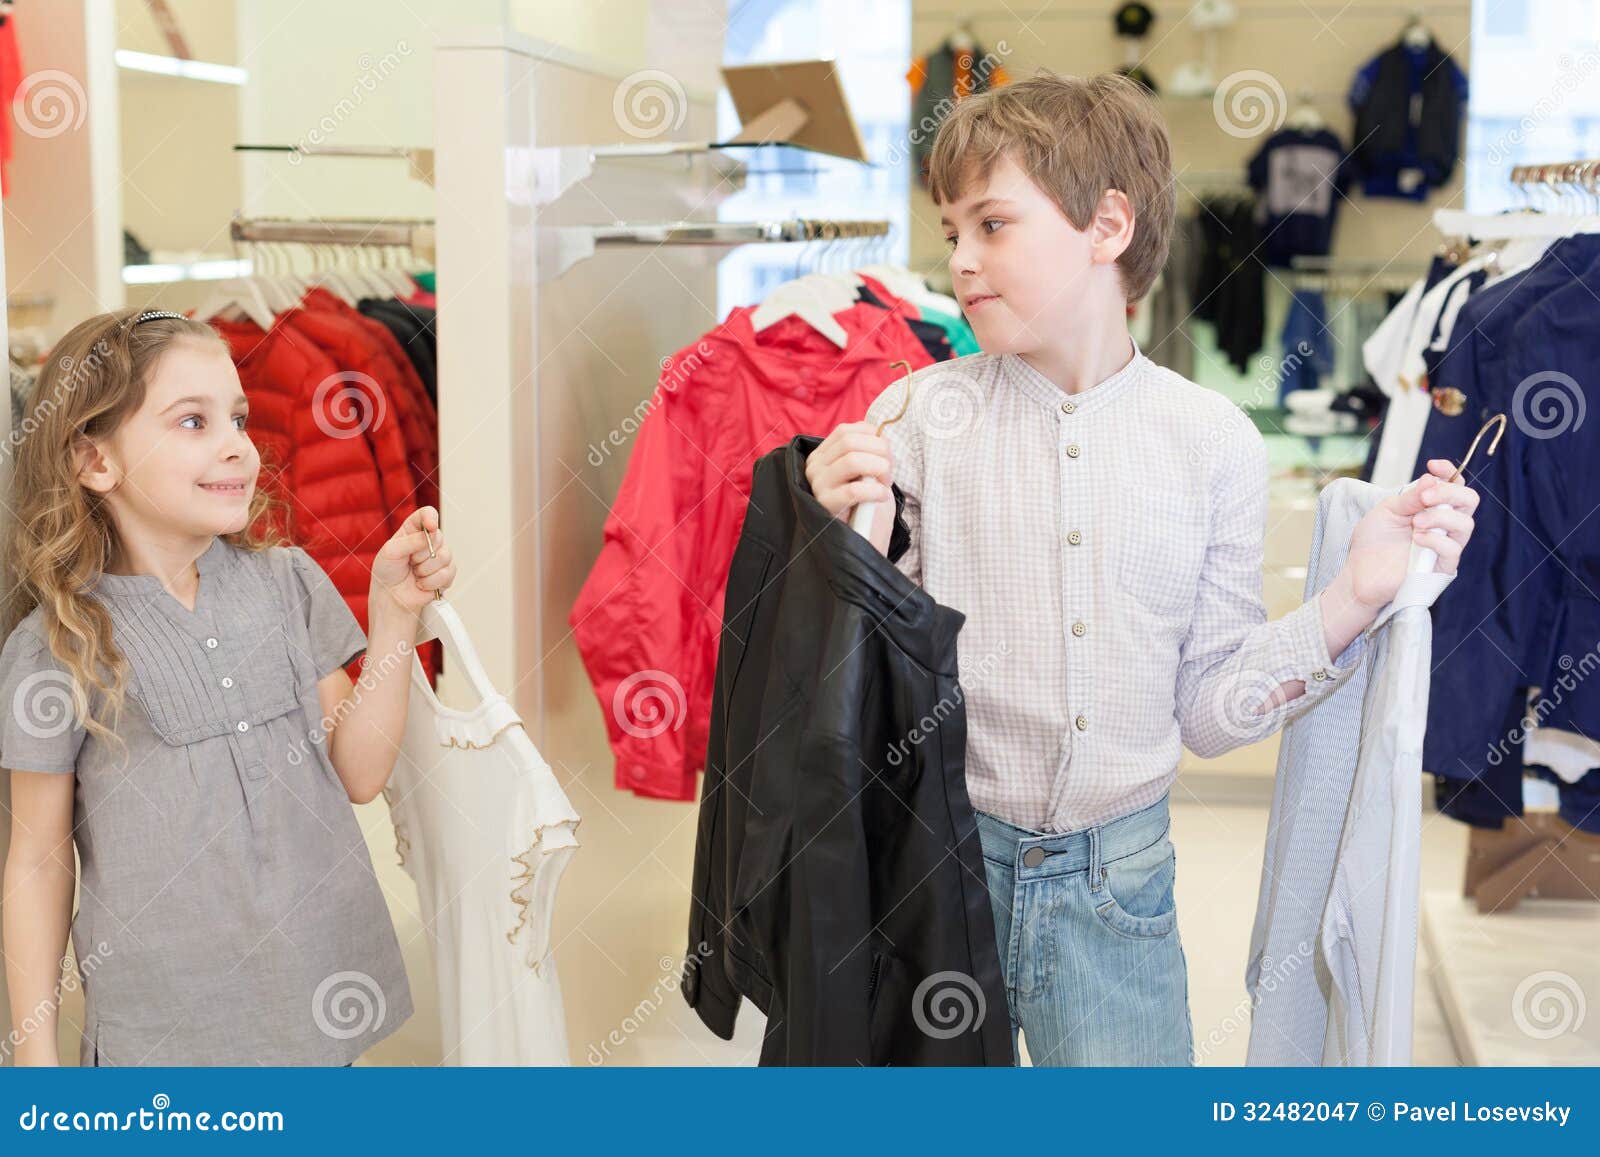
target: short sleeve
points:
(336, 634)
(40, 729)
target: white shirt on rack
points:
(1406, 419)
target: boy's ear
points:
(1112, 229)
(96, 471)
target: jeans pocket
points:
(1136, 899)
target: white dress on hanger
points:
(485, 830)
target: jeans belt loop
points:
(1096, 873)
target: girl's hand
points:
(405, 571)
(1380, 548)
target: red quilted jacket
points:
(347, 488)
(419, 421)
(649, 615)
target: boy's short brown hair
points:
(1075, 137)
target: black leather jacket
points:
(838, 881)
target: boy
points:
(1099, 520)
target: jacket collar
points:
(919, 625)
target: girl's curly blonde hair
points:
(62, 535)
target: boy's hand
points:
(1380, 548)
(405, 572)
(851, 466)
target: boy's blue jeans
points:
(1088, 936)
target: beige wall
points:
(1303, 46)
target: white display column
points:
(63, 227)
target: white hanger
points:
(241, 296)
(961, 39)
(903, 283)
(814, 299)
(1416, 34)
(1305, 117)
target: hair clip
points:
(152, 314)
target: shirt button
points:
(1072, 450)
(243, 726)
(1074, 537)
(1033, 857)
(1079, 629)
(227, 680)
(1068, 407)
(1319, 675)
(1081, 723)
(211, 643)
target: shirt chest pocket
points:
(194, 688)
(1159, 549)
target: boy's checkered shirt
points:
(1106, 549)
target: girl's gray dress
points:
(228, 911)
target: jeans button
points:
(1033, 857)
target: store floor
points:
(1219, 870)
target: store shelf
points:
(145, 64)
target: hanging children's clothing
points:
(1525, 616)
(483, 827)
(838, 877)
(1333, 948)
(647, 619)
(347, 434)
(947, 75)
(1307, 345)
(1299, 179)
(229, 914)
(1408, 103)
(1230, 289)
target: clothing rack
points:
(563, 246)
(414, 234)
(1581, 177)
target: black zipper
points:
(872, 980)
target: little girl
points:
(229, 914)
